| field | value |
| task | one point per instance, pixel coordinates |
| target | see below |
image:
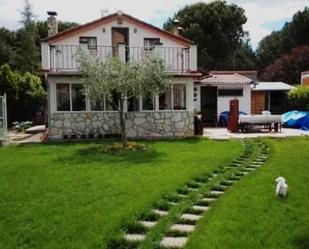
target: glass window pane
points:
(179, 96)
(111, 102)
(97, 105)
(78, 97)
(63, 97)
(133, 104)
(165, 100)
(148, 103)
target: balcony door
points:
(119, 36)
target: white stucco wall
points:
(223, 103)
(244, 101)
(105, 38)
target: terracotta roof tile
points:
(225, 79)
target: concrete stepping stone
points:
(209, 200)
(134, 237)
(172, 203)
(148, 224)
(193, 189)
(160, 212)
(173, 242)
(182, 196)
(247, 169)
(192, 217)
(200, 208)
(182, 228)
(216, 192)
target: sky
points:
(264, 16)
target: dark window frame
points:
(233, 92)
(153, 42)
(86, 39)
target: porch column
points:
(189, 96)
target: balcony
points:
(63, 58)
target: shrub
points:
(299, 98)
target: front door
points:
(119, 36)
(209, 99)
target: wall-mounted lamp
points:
(119, 20)
(103, 30)
(135, 30)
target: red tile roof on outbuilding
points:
(225, 79)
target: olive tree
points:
(113, 77)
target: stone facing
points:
(138, 125)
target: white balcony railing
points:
(64, 57)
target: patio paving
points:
(224, 134)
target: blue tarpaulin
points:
(224, 117)
(296, 119)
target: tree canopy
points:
(217, 29)
(278, 43)
(288, 67)
(118, 81)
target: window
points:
(174, 98)
(230, 92)
(91, 41)
(78, 97)
(97, 105)
(111, 102)
(149, 43)
(179, 97)
(70, 97)
(165, 100)
(148, 103)
(63, 97)
(133, 104)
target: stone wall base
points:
(139, 124)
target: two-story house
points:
(72, 114)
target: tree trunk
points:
(123, 125)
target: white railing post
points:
(193, 58)
(122, 52)
(45, 55)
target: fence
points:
(3, 117)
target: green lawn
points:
(74, 196)
(250, 216)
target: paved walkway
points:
(224, 134)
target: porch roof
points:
(271, 86)
(225, 79)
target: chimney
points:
(52, 23)
(176, 29)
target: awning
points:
(271, 86)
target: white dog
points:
(282, 187)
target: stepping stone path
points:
(186, 224)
